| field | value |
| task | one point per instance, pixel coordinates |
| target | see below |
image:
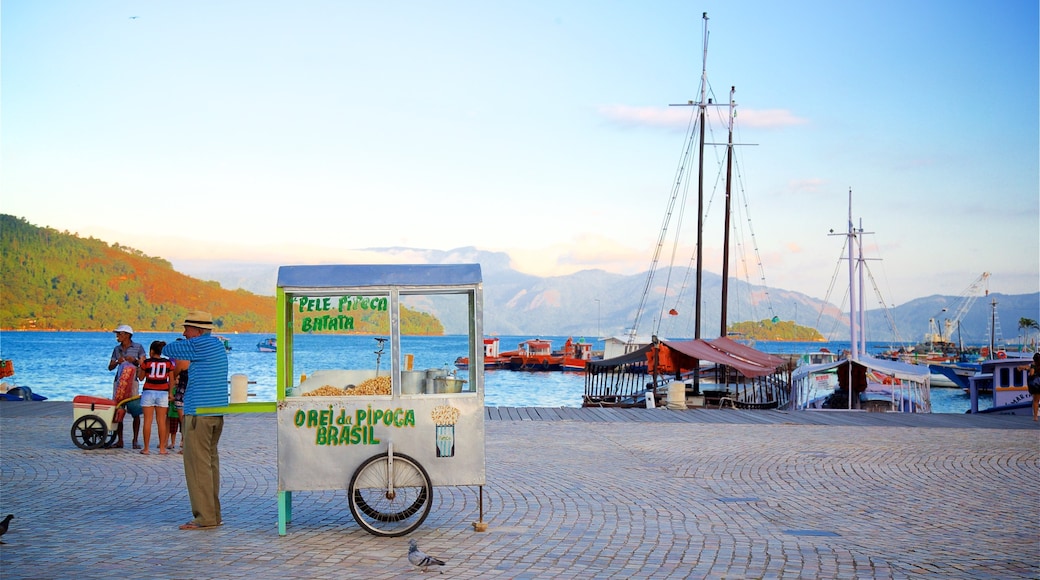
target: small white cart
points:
(385, 432)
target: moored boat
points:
(12, 392)
(267, 345)
(535, 355)
(574, 355)
(864, 382)
(225, 341)
(1006, 379)
(493, 359)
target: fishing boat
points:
(493, 359)
(574, 355)
(535, 354)
(225, 341)
(864, 382)
(12, 392)
(267, 345)
(1006, 380)
(950, 363)
(697, 371)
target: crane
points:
(967, 299)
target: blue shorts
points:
(134, 408)
(155, 398)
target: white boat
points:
(863, 382)
(267, 345)
(1007, 382)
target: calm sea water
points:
(61, 365)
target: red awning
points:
(744, 351)
(744, 359)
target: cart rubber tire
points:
(90, 432)
(385, 516)
(407, 512)
(111, 438)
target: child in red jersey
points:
(156, 372)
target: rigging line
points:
(671, 262)
(707, 212)
(693, 255)
(676, 244)
(754, 240)
(881, 302)
(892, 323)
(830, 288)
(688, 145)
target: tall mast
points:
(862, 292)
(853, 302)
(700, 183)
(725, 235)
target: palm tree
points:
(1027, 324)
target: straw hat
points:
(199, 319)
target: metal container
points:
(447, 384)
(431, 379)
(412, 382)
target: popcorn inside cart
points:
(385, 425)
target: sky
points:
(307, 132)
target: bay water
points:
(60, 365)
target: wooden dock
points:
(12, 409)
(762, 417)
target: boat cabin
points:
(1007, 379)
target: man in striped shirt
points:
(207, 387)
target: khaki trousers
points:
(202, 467)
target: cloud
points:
(583, 252)
(808, 185)
(768, 118)
(679, 117)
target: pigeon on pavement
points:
(4, 524)
(421, 559)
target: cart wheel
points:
(111, 439)
(89, 432)
(387, 513)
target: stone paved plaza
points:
(564, 499)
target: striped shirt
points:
(207, 374)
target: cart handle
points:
(129, 400)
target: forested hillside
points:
(56, 280)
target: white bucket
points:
(676, 395)
(239, 388)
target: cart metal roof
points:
(362, 275)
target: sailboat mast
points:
(862, 292)
(700, 184)
(853, 302)
(725, 235)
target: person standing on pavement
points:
(155, 397)
(126, 352)
(207, 387)
(1033, 382)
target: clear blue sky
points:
(301, 132)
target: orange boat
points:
(492, 358)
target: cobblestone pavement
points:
(564, 499)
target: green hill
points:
(55, 280)
(775, 330)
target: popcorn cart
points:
(374, 422)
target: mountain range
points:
(595, 303)
(57, 280)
